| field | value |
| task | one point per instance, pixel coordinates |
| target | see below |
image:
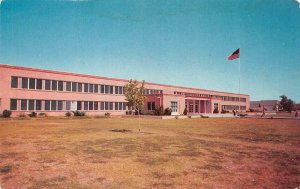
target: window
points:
(24, 83)
(53, 105)
(47, 84)
(106, 106)
(39, 84)
(54, 85)
(13, 104)
(68, 86)
(86, 87)
(38, 105)
(116, 90)
(74, 86)
(116, 106)
(102, 88)
(95, 88)
(31, 83)
(151, 105)
(91, 105)
(60, 85)
(47, 104)
(14, 82)
(95, 105)
(111, 106)
(91, 87)
(124, 105)
(121, 90)
(111, 89)
(79, 87)
(68, 105)
(174, 106)
(79, 105)
(106, 89)
(120, 105)
(60, 105)
(101, 105)
(86, 105)
(23, 104)
(30, 104)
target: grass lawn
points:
(190, 153)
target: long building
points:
(24, 90)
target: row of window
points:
(231, 107)
(55, 105)
(152, 91)
(55, 85)
(224, 98)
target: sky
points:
(177, 42)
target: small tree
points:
(6, 113)
(286, 104)
(185, 111)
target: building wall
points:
(7, 93)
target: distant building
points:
(23, 90)
(269, 105)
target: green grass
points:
(111, 153)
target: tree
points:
(286, 104)
(134, 96)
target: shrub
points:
(32, 114)
(185, 111)
(6, 113)
(68, 114)
(22, 114)
(158, 111)
(107, 114)
(42, 114)
(78, 113)
(224, 111)
(251, 110)
(216, 110)
(168, 111)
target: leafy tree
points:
(134, 95)
(286, 104)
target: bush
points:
(224, 111)
(158, 111)
(78, 113)
(251, 110)
(168, 111)
(32, 114)
(107, 114)
(185, 111)
(68, 114)
(6, 113)
(216, 110)
(42, 114)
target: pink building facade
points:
(24, 90)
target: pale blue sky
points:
(174, 42)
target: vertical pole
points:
(139, 120)
(239, 75)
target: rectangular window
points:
(13, 104)
(106, 105)
(60, 85)
(116, 106)
(53, 105)
(106, 89)
(79, 105)
(124, 105)
(101, 105)
(68, 105)
(102, 89)
(86, 87)
(149, 105)
(120, 105)
(30, 104)
(91, 88)
(47, 84)
(39, 84)
(31, 83)
(14, 82)
(60, 105)
(23, 104)
(24, 83)
(116, 90)
(91, 105)
(47, 104)
(74, 86)
(79, 87)
(111, 89)
(153, 105)
(68, 86)
(86, 105)
(121, 89)
(111, 106)
(96, 105)
(95, 88)
(38, 105)
(54, 85)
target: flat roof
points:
(101, 77)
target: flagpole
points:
(240, 74)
